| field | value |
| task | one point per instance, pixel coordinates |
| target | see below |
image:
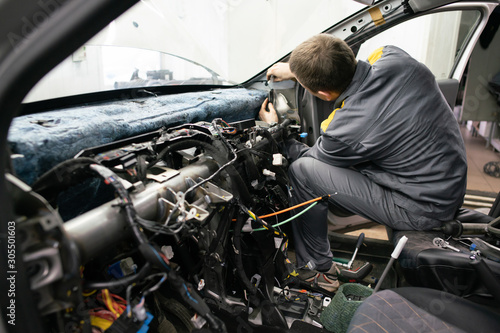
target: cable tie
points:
(325, 197)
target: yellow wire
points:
(89, 293)
(107, 299)
(102, 323)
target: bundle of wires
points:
(103, 318)
(156, 286)
(230, 148)
(152, 256)
(179, 205)
(226, 129)
(165, 228)
(266, 226)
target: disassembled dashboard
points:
(185, 230)
(167, 230)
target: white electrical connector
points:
(198, 321)
(277, 159)
(139, 312)
(167, 251)
(201, 284)
(277, 242)
(269, 173)
(247, 227)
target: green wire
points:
(291, 218)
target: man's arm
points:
(334, 152)
(326, 148)
(280, 71)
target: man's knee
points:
(296, 166)
(300, 180)
(301, 167)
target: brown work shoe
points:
(334, 270)
(326, 280)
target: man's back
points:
(395, 126)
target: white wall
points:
(426, 38)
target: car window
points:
(435, 39)
(190, 42)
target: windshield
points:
(190, 42)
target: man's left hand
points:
(267, 112)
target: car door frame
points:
(33, 40)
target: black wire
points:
(240, 221)
(182, 143)
(157, 285)
(150, 254)
(130, 213)
(223, 227)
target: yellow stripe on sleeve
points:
(376, 55)
(325, 123)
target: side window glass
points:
(435, 39)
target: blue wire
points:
(189, 295)
(160, 258)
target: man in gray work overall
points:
(391, 150)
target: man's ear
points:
(328, 95)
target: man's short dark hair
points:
(323, 62)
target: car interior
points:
(165, 208)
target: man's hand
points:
(268, 116)
(280, 71)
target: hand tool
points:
(439, 242)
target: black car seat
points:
(413, 309)
(426, 265)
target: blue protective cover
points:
(48, 138)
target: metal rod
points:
(105, 225)
(395, 254)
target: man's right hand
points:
(280, 71)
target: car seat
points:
(426, 265)
(413, 309)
